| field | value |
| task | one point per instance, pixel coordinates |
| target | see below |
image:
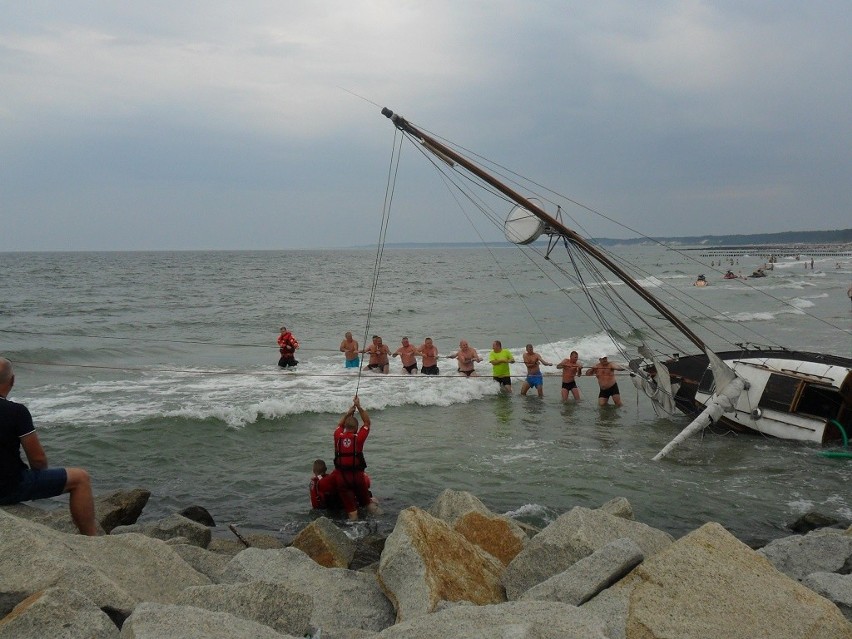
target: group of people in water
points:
(378, 358)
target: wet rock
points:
(198, 514)
(836, 588)
(325, 543)
(425, 561)
(170, 527)
(819, 551)
(343, 599)
(515, 619)
(709, 584)
(275, 605)
(589, 576)
(120, 508)
(57, 612)
(158, 621)
(571, 537)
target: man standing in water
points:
(287, 346)
(349, 348)
(406, 352)
(378, 353)
(352, 482)
(19, 483)
(571, 367)
(534, 378)
(466, 356)
(604, 370)
(429, 352)
(500, 358)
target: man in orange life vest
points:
(287, 346)
(352, 482)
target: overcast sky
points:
(224, 125)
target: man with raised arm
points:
(352, 483)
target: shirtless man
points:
(429, 352)
(466, 356)
(349, 348)
(378, 356)
(534, 378)
(604, 370)
(571, 367)
(406, 353)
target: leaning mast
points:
(444, 152)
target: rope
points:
(393, 169)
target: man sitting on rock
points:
(21, 483)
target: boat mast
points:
(444, 152)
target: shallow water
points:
(158, 370)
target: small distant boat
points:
(700, 281)
(758, 273)
(730, 275)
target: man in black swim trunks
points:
(429, 352)
(407, 353)
(604, 370)
(378, 353)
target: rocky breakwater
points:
(455, 570)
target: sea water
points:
(158, 370)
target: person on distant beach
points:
(604, 370)
(20, 483)
(500, 358)
(349, 348)
(849, 292)
(378, 353)
(466, 356)
(287, 346)
(571, 367)
(429, 352)
(535, 379)
(349, 462)
(407, 353)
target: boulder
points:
(425, 561)
(172, 526)
(368, 551)
(58, 519)
(798, 556)
(325, 543)
(836, 588)
(120, 508)
(114, 572)
(452, 504)
(812, 521)
(515, 619)
(497, 535)
(343, 599)
(592, 574)
(619, 507)
(198, 514)
(57, 612)
(157, 621)
(275, 605)
(208, 563)
(709, 584)
(572, 536)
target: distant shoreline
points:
(832, 242)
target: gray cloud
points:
(215, 125)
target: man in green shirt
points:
(500, 358)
